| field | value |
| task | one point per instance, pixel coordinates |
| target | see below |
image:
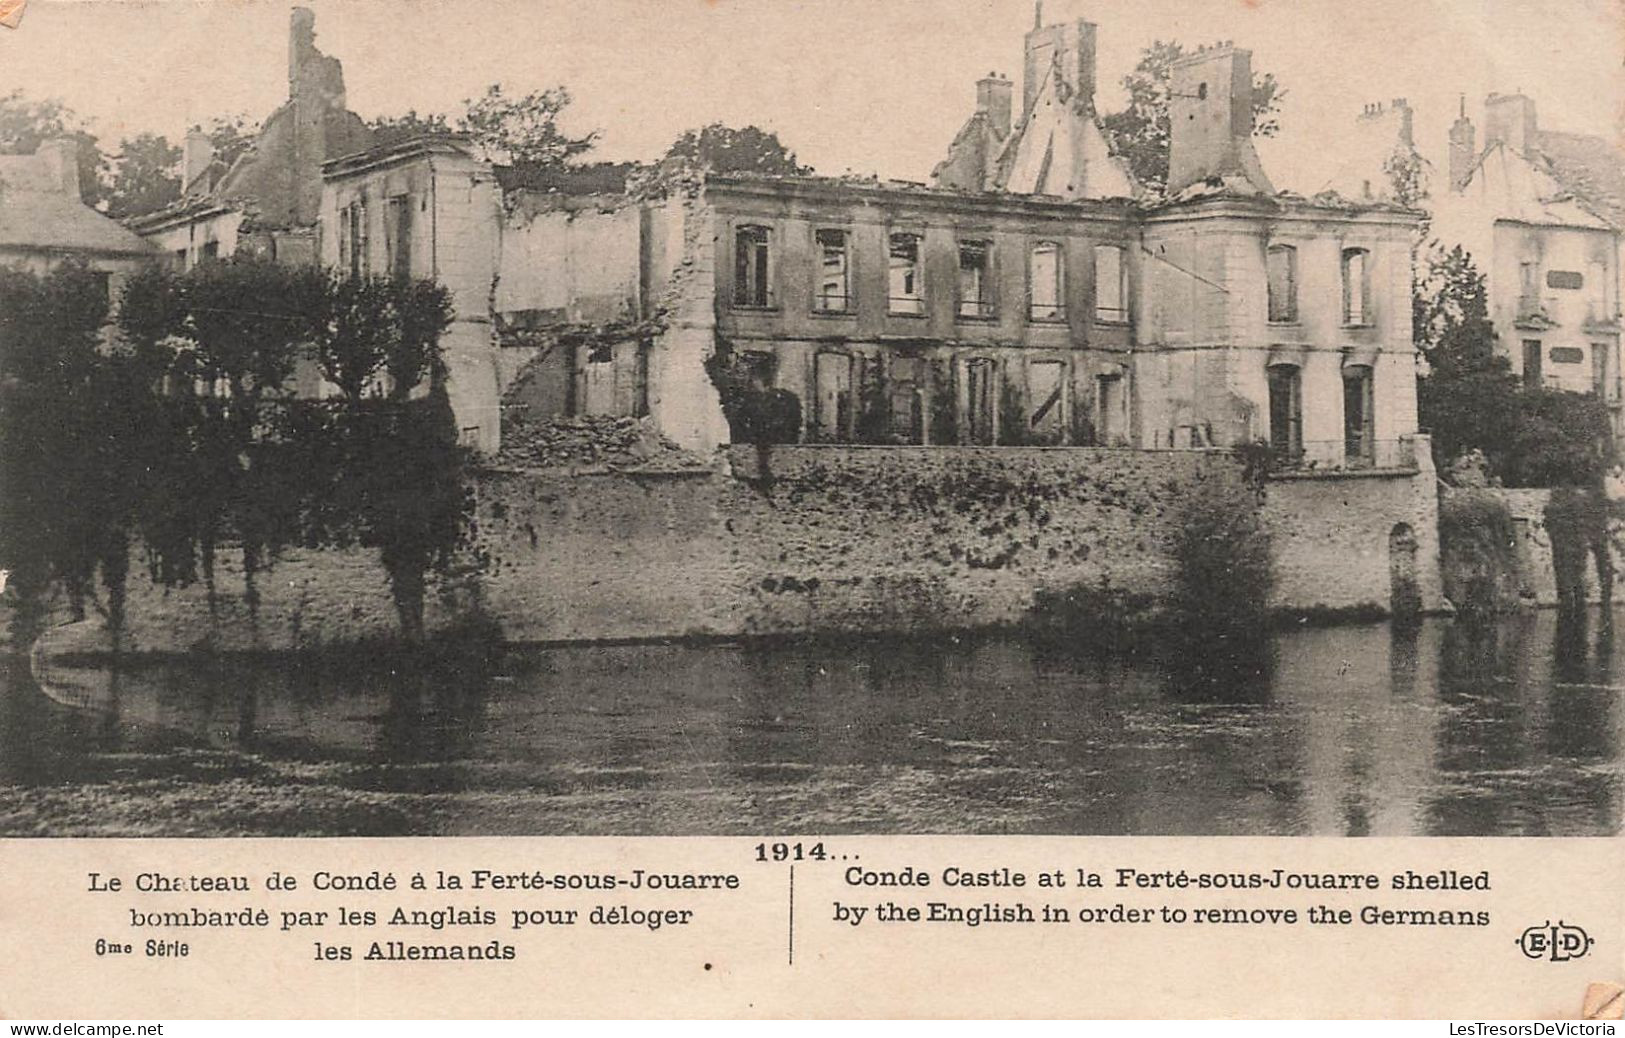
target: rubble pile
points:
(593, 441)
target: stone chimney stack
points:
(196, 155)
(61, 158)
(1211, 119)
(1068, 50)
(993, 99)
(1509, 119)
(1407, 122)
(1463, 147)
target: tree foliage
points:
(1139, 134)
(145, 176)
(523, 130)
(26, 124)
(392, 129)
(724, 149)
(180, 433)
(1470, 399)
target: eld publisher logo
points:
(1558, 943)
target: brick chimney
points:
(1463, 147)
(1211, 119)
(1068, 49)
(196, 155)
(1509, 119)
(60, 156)
(993, 98)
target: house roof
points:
(1525, 188)
(37, 214)
(1590, 167)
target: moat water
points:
(1514, 728)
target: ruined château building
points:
(1027, 297)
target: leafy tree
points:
(54, 461)
(524, 130)
(392, 129)
(145, 177)
(723, 149)
(25, 124)
(229, 136)
(1139, 133)
(1469, 398)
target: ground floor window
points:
(832, 397)
(1046, 385)
(981, 397)
(1286, 410)
(1359, 432)
(1111, 418)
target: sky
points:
(861, 85)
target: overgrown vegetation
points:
(1139, 133)
(1478, 553)
(1577, 524)
(180, 432)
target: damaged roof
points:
(1590, 167)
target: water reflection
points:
(1438, 728)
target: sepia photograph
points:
(725, 417)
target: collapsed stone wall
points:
(809, 539)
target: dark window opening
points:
(835, 272)
(752, 266)
(832, 406)
(1286, 411)
(1532, 374)
(1359, 442)
(906, 295)
(1283, 283)
(975, 279)
(400, 241)
(1571, 280)
(981, 426)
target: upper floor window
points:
(1046, 272)
(1597, 308)
(752, 266)
(905, 293)
(399, 229)
(975, 279)
(210, 250)
(1283, 283)
(1356, 286)
(353, 238)
(1571, 280)
(1111, 284)
(834, 271)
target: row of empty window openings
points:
(354, 233)
(1282, 264)
(906, 289)
(1286, 413)
(978, 401)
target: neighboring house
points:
(267, 201)
(1541, 215)
(1378, 150)
(43, 219)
